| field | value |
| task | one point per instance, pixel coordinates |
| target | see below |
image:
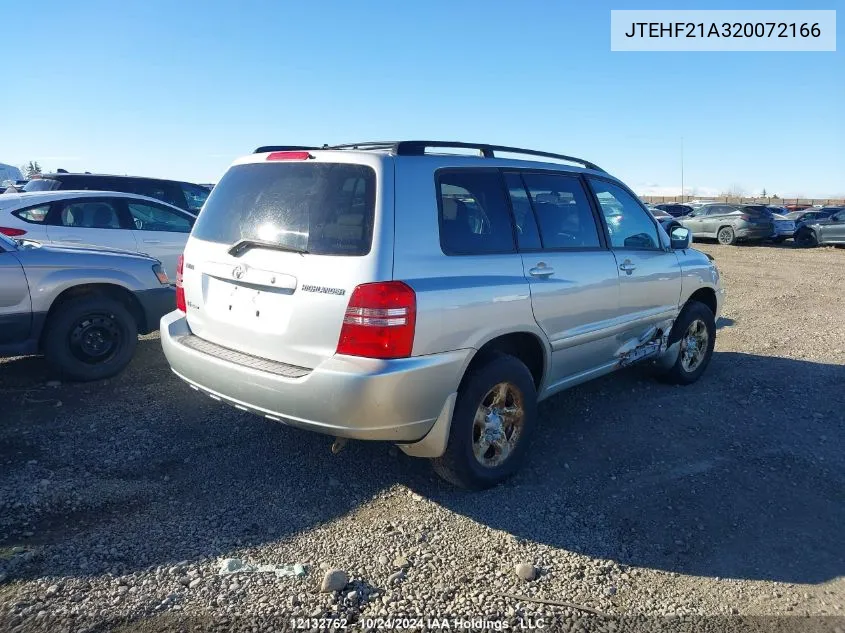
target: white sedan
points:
(99, 218)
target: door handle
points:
(541, 270)
(71, 239)
(627, 266)
(152, 241)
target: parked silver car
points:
(729, 223)
(382, 292)
(83, 308)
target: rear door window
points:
(321, 208)
(91, 214)
(474, 214)
(563, 211)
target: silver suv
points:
(380, 291)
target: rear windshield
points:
(42, 184)
(322, 208)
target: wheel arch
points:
(525, 346)
(112, 291)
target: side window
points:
(90, 214)
(527, 234)
(147, 217)
(36, 215)
(563, 211)
(628, 223)
(474, 214)
(195, 196)
(157, 189)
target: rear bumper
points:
(359, 398)
(155, 303)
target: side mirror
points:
(680, 238)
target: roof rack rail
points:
(286, 148)
(417, 148)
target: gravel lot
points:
(718, 505)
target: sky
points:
(180, 89)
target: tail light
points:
(380, 321)
(180, 291)
(746, 217)
(6, 230)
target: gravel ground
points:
(712, 506)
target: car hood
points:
(55, 254)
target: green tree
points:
(31, 169)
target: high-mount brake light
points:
(288, 156)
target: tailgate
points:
(276, 253)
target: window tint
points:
(195, 196)
(527, 234)
(95, 214)
(147, 217)
(36, 215)
(324, 208)
(563, 211)
(474, 214)
(629, 225)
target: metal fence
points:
(777, 202)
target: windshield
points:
(42, 184)
(321, 208)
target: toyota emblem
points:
(238, 271)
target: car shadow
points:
(739, 475)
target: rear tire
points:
(90, 338)
(726, 236)
(484, 418)
(695, 332)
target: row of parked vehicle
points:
(84, 263)
(731, 223)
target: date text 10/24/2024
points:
(419, 623)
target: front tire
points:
(494, 419)
(90, 338)
(726, 236)
(806, 238)
(695, 334)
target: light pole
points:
(682, 169)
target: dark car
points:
(800, 217)
(674, 209)
(185, 195)
(830, 230)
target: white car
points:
(99, 218)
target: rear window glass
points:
(322, 208)
(42, 184)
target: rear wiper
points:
(242, 246)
